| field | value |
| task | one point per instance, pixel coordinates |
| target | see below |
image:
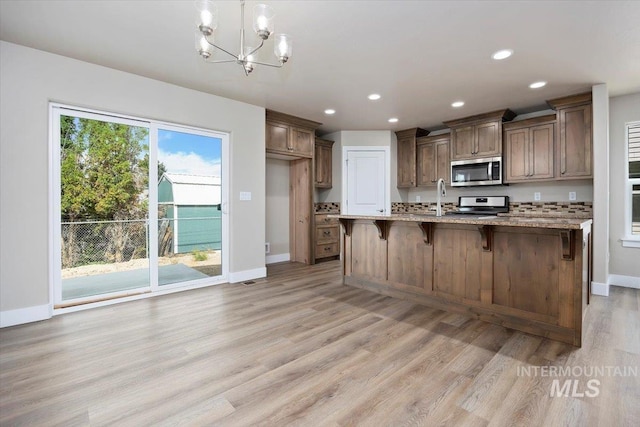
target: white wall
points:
(623, 261)
(29, 80)
(277, 209)
(349, 138)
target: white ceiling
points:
(419, 55)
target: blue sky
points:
(189, 154)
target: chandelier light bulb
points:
(203, 43)
(203, 47)
(207, 18)
(263, 20)
(282, 47)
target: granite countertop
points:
(503, 220)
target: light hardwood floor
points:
(300, 348)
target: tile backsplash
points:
(573, 209)
(537, 209)
(327, 208)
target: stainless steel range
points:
(481, 205)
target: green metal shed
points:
(190, 209)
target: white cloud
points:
(188, 163)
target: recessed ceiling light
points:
(502, 54)
(374, 97)
(393, 120)
(457, 104)
(329, 111)
(537, 85)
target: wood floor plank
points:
(300, 348)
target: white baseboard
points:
(601, 289)
(241, 276)
(24, 315)
(624, 281)
(272, 259)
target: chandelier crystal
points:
(263, 26)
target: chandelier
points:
(263, 15)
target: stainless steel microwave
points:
(485, 171)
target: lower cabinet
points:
(327, 237)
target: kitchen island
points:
(529, 274)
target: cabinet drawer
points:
(323, 219)
(328, 234)
(327, 249)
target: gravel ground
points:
(186, 259)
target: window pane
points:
(635, 210)
(634, 151)
(104, 183)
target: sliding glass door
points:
(137, 207)
(189, 206)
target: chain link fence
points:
(103, 242)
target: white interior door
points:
(367, 181)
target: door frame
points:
(387, 179)
(55, 237)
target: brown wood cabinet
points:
(574, 148)
(327, 237)
(529, 149)
(289, 136)
(533, 279)
(478, 136)
(292, 138)
(433, 160)
(406, 156)
(323, 162)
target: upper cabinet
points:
(323, 161)
(433, 160)
(478, 136)
(289, 136)
(574, 145)
(406, 159)
(529, 149)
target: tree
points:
(104, 177)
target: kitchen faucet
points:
(442, 192)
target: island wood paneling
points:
(527, 275)
(410, 258)
(368, 251)
(460, 268)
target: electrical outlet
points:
(572, 195)
(267, 248)
(418, 198)
(536, 196)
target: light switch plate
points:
(245, 195)
(572, 195)
(418, 198)
(536, 196)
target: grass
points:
(199, 255)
